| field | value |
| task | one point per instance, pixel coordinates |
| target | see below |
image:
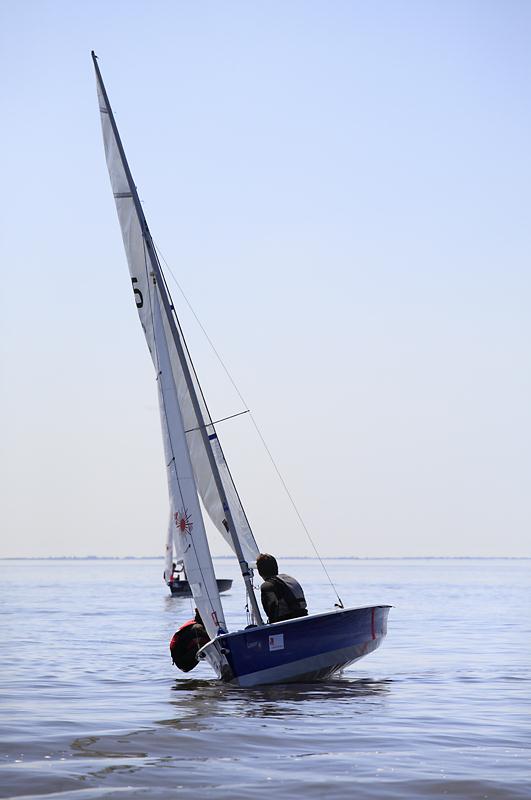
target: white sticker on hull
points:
(276, 642)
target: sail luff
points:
(125, 165)
(202, 448)
(222, 461)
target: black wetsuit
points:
(283, 598)
(186, 642)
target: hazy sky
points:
(343, 190)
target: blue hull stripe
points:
(271, 646)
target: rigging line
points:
(152, 287)
(200, 388)
(258, 431)
(144, 230)
(224, 419)
(207, 337)
(295, 508)
(207, 444)
(159, 373)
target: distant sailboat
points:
(175, 576)
(307, 648)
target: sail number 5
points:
(138, 293)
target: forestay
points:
(140, 269)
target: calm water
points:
(92, 706)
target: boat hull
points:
(182, 588)
(309, 648)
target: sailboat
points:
(175, 575)
(309, 648)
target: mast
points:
(170, 316)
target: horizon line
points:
(286, 557)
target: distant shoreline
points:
(283, 557)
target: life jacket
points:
(185, 644)
(291, 600)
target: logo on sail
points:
(183, 521)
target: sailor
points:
(282, 595)
(187, 641)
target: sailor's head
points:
(267, 566)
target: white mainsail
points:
(140, 271)
(189, 536)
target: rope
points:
(255, 424)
